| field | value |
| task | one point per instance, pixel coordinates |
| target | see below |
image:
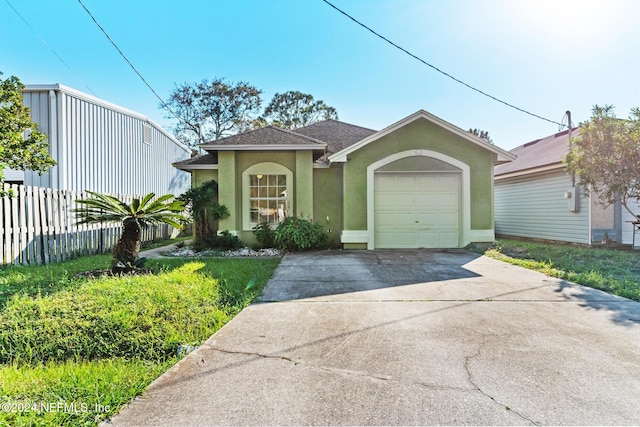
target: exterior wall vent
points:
(147, 134)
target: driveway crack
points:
(248, 353)
(346, 372)
(467, 369)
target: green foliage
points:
(294, 109)
(203, 204)
(98, 389)
(296, 234)
(140, 320)
(224, 241)
(141, 213)
(606, 154)
(210, 110)
(46, 279)
(265, 235)
(16, 151)
(130, 317)
(610, 270)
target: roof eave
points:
(263, 147)
(531, 171)
(188, 168)
(502, 155)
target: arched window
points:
(267, 194)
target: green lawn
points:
(610, 270)
(74, 351)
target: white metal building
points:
(100, 146)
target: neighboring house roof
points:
(502, 155)
(200, 162)
(266, 138)
(536, 156)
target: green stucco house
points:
(419, 183)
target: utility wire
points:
(164, 104)
(47, 45)
(439, 70)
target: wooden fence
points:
(38, 226)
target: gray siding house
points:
(100, 146)
(536, 198)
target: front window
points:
(267, 198)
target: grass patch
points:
(46, 279)
(98, 343)
(72, 393)
(610, 270)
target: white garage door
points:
(417, 210)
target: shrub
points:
(296, 234)
(265, 235)
(224, 241)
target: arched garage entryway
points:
(417, 199)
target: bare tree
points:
(210, 110)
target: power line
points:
(439, 70)
(47, 45)
(164, 104)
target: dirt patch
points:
(94, 274)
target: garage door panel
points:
(405, 181)
(448, 221)
(428, 239)
(394, 201)
(416, 210)
(448, 239)
(426, 218)
(393, 220)
(427, 181)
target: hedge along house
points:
(536, 198)
(419, 183)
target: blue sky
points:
(543, 56)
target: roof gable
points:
(265, 138)
(502, 155)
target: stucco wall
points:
(420, 134)
(327, 195)
(231, 165)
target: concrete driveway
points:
(413, 337)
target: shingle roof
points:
(338, 135)
(541, 152)
(268, 135)
(205, 159)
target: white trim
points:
(465, 215)
(527, 172)
(261, 147)
(101, 102)
(481, 236)
(502, 155)
(354, 236)
(195, 167)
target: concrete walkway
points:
(162, 250)
(409, 338)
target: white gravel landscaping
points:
(188, 251)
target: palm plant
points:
(141, 213)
